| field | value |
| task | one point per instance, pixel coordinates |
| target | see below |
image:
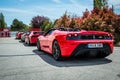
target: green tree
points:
(2, 21)
(47, 25)
(38, 21)
(18, 25)
(100, 4)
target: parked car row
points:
(63, 42)
(29, 37)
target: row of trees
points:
(65, 21)
(18, 26)
(40, 22)
(97, 19)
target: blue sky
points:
(25, 10)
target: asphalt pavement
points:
(21, 62)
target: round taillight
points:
(75, 35)
(69, 35)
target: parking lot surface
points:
(21, 62)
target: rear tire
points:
(56, 51)
(38, 45)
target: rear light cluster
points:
(88, 37)
(73, 36)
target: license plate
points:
(98, 45)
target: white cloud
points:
(57, 1)
(15, 10)
(56, 11)
(75, 3)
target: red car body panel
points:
(67, 47)
(32, 37)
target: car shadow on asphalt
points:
(32, 45)
(21, 41)
(18, 55)
(71, 62)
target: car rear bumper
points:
(83, 50)
(75, 48)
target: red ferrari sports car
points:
(32, 37)
(18, 35)
(65, 43)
